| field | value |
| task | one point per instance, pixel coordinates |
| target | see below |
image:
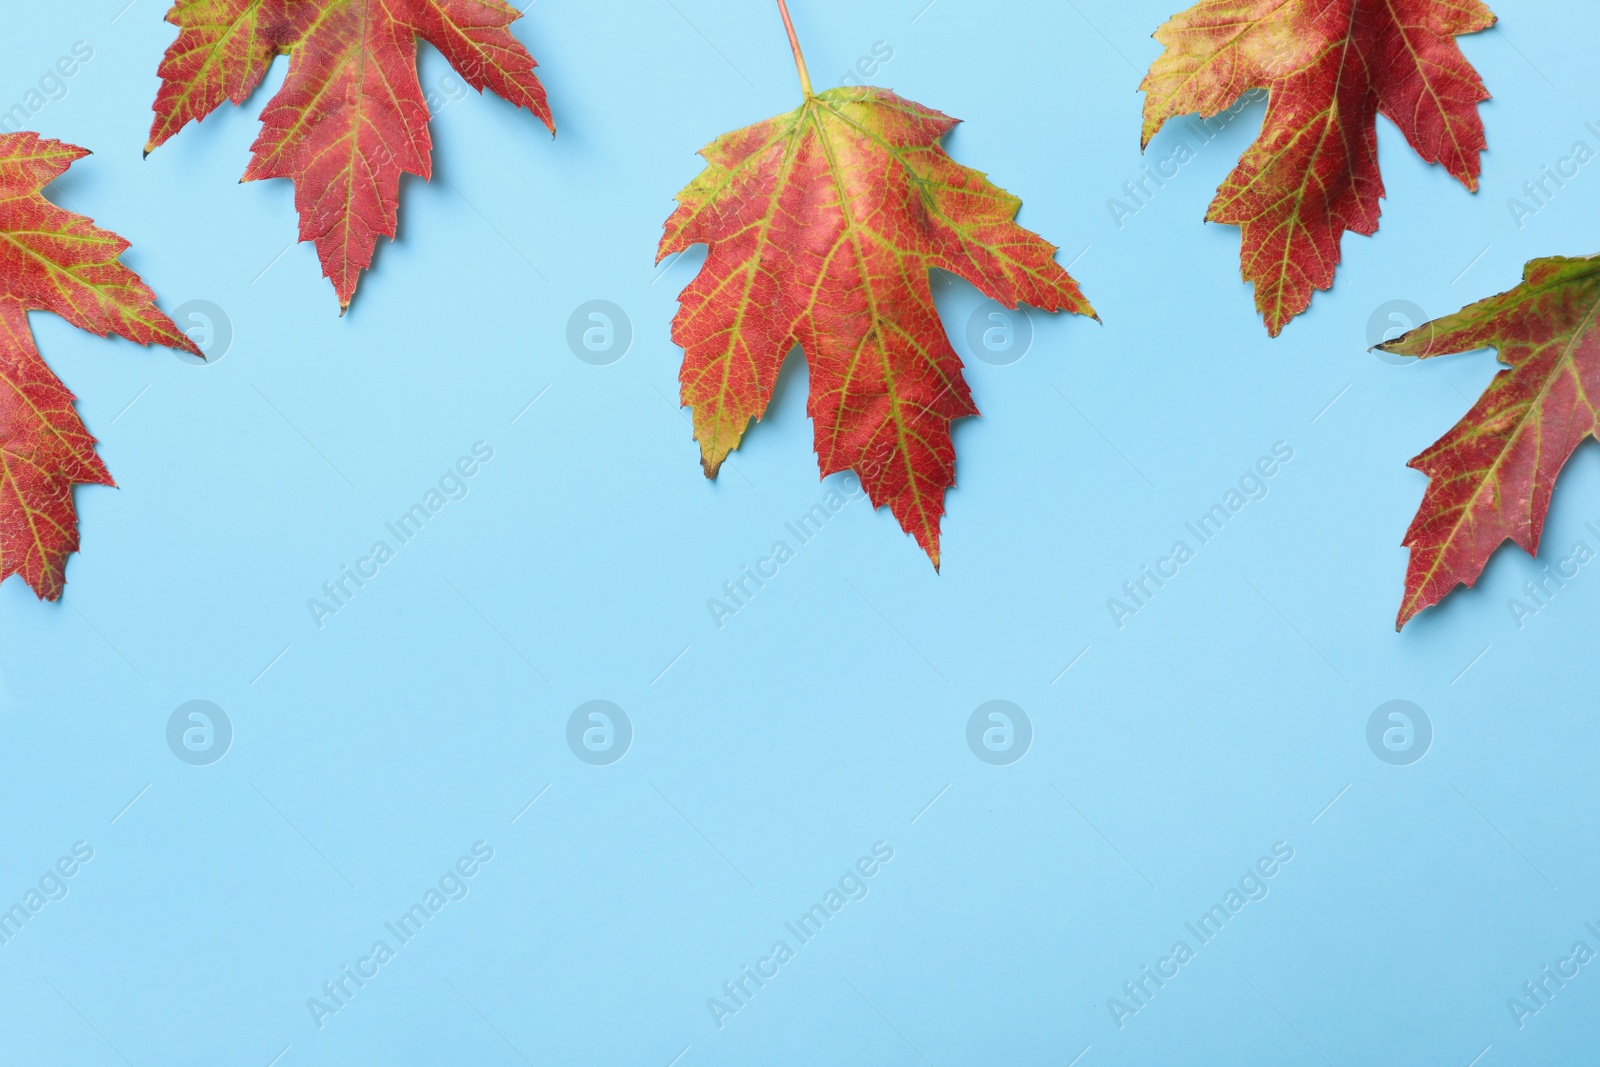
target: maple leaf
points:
(1331, 66)
(350, 117)
(1491, 476)
(53, 260)
(822, 225)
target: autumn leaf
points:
(822, 225)
(350, 117)
(1331, 66)
(1490, 477)
(53, 260)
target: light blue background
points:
(769, 754)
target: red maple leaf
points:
(53, 260)
(1491, 476)
(350, 117)
(1331, 67)
(822, 225)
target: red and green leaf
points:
(822, 225)
(53, 260)
(1331, 67)
(350, 117)
(1490, 478)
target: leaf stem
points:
(794, 46)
